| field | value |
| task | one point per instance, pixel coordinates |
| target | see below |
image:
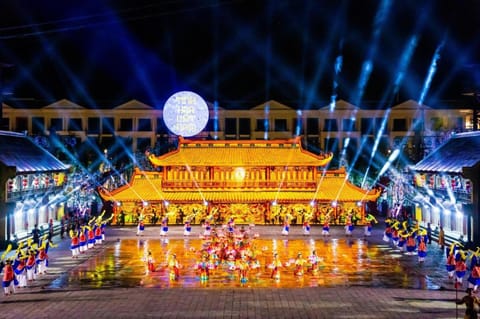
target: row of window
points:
(232, 126)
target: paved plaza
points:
(51, 297)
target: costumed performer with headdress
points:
(349, 225)
(450, 265)
(31, 265)
(140, 227)
(306, 228)
(187, 228)
(242, 266)
(150, 262)
(422, 250)
(286, 227)
(326, 226)
(314, 262)
(164, 227)
(300, 263)
(174, 267)
(411, 244)
(275, 266)
(203, 268)
(90, 237)
(19, 266)
(82, 238)
(460, 269)
(370, 219)
(9, 280)
(74, 243)
(474, 278)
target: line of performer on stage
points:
(460, 262)
(28, 261)
(407, 238)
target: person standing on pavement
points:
(36, 235)
(62, 227)
(50, 230)
(429, 234)
(441, 238)
(471, 302)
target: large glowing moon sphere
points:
(185, 113)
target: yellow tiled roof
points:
(332, 188)
(240, 153)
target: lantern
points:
(25, 182)
(10, 185)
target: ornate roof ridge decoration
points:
(288, 152)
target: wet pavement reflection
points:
(341, 262)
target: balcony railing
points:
(267, 185)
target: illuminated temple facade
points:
(251, 181)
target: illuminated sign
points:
(185, 113)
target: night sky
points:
(239, 53)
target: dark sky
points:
(239, 53)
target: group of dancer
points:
(407, 238)
(89, 235)
(233, 250)
(28, 261)
(460, 262)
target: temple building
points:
(249, 181)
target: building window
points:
(297, 126)
(281, 125)
(331, 145)
(330, 125)
(126, 125)
(21, 124)
(372, 125)
(436, 124)
(5, 124)
(230, 126)
(244, 126)
(75, 124)
(348, 125)
(56, 124)
(312, 126)
(350, 149)
(212, 125)
(367, 126)
(456, 123)
(93, 125)
(262, 125)
(144, 125)
(107, 125)
(417, 124)
(38, 125)
(161, 127)
(399, 125)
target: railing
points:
(242, 184)
(18, 195)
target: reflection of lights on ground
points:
(342, 262)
